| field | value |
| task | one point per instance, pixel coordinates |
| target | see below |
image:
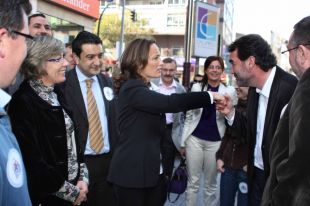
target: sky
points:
(263, 16)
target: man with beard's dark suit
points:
(254, 65)
(289, 180)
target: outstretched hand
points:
(225, 107)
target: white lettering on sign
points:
(78, 3)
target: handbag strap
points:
(176, 199)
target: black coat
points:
(41, 133)
(289, 180)
(282, 89)
(141, 121)
(72, 95)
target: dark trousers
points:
(100, 192)
(168, 151)
(153, 196)
(233, 181)
(258, 185)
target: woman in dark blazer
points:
(135, 170)
(44, 129)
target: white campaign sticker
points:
(14, 170)
(243, 187)
(108, 93)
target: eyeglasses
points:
(294, 48)
(214, 67)
(168, 70)
(23, 34)
(60, 59)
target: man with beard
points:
(288, 183)
(254, 65)
(167, 85)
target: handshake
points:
(223, 103)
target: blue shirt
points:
(13, 181)
(97, 91)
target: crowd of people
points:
(71, 135)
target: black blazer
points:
(72, 95)
(41, 133)
(289, 183)
(141, 121)
(282, 89)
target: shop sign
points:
(87, 7)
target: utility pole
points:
(188, 44)
(120, 48)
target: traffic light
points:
(133, 15)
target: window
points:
(177, 51)
(176, 20)
(176, 2)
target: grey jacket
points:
(178, 118)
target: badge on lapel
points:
(14, 169)
(108, 93)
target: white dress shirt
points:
(167, 90)
(97, 91)
(261, 115)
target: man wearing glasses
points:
(254, 65)
(38, 25)
(288, 183)
(167, 85)
(13, 49)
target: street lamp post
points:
(120, 48)
(100, 17)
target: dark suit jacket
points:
(282, 89)
(136, 160)
(41, 133)
(72, 94)
(289, 180)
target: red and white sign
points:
(87, 7)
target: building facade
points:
(68, 17)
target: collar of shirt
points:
(82, 77)
(5, 98)
(173, 85)
(154, 87)
(267, 86)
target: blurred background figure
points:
(197, 79)
(69, 57)
(38, 25)
(231, 160)
(44, 128)
(13, 49)
(167, 85)
(202, 134)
